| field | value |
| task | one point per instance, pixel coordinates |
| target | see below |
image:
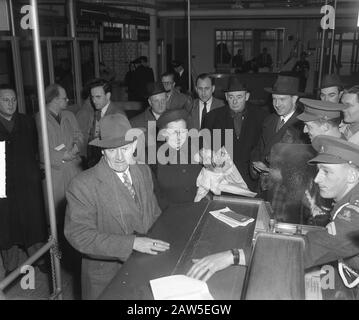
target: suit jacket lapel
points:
(277, 136)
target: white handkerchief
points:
(231, 218)
(179, 287)
(60, 147)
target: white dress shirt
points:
(201, 106)
(127, 172)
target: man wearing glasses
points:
(65, 140)
(175, 99)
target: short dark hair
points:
(99, 82)
(168, 74)
(203, 76)
(52, 91)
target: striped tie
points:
(129, 186)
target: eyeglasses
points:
(7, 100)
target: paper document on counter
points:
(231, 218)
(179, 287)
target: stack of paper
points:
(231, 218)
(179, 287)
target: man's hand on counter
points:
(204, 268)
(150, 246)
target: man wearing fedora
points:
(282, 125)
(331, 88)
(204, 103)
(110, 207)
(245, 122)
(157, 105)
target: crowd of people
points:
(302, 157)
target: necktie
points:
(129, 186)
(95, 130)
(280, 124)
(237, 123)
(204, 112)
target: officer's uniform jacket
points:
(341, 238)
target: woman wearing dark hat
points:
(175, 172)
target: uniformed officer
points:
(338, 179)
(331, 88)
(321, 118)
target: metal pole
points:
(333, 39)
(13, 275)
(321, 55)
(45, 141)
(13, 33)
(76, 52)
(189, 45)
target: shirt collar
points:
(208, 103)
(287, 117)
(127, 172)
(104, 109)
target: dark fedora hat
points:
(331, 80)
(113, 131)
(171, 115)
(286, 85)
(154, 88)
(234, 84)
(176, 63)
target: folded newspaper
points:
(179, 287)
(231, 218)
(219, 175)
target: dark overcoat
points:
(245, 143)
(22, 215)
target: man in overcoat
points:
(22, 215)
(110, 208)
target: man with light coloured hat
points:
(110, 206)
(321, 118)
